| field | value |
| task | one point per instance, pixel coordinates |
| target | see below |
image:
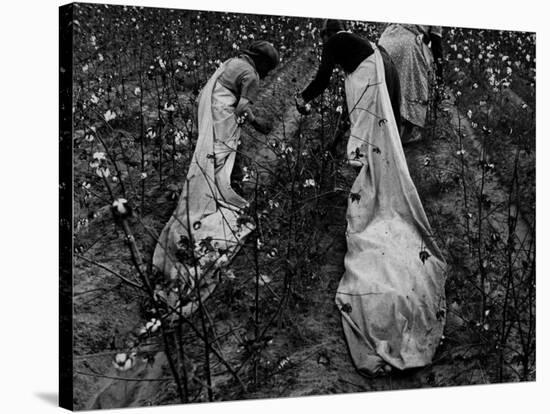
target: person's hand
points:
(261, 125)
(301, 105)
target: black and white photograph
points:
(270, 206)
(249, 207)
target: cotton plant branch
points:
(138, 264)
(111, 271)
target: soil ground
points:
(308, 348)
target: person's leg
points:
(237, 175)
(406, 129)
(410, 132)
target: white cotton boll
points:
(124, 362)
(120, 205)
(103, 172)
(310, 182)
(264, 280)
(153, 325)
(181, 138)
(121, 358)
(222, 261)
(99, 156)
(109, 115)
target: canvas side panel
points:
(65, 207)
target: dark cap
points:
(332, 26)
(263, 49)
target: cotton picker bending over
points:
(392, 294)
(205, 232)
(348, 50)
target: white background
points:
(29, 207)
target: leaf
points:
(357, 154)
(346, 307)
(355, 197)
(243, 220)
(207, 244)
(323, 359)
(424, 255)
(184, 242)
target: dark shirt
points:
(345, 49)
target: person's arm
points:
(244, 109)
(244, 112)
(322, 78)
(249, 86)
(437, 50)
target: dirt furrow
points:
(105, 390)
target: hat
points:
(264, 49)
(332, 26)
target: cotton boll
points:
(121, 208)
(124, 362)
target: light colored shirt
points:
(424, 29)
(241, 78)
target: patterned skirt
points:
(414, 61)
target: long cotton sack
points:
(208, 210)
(392, 302)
